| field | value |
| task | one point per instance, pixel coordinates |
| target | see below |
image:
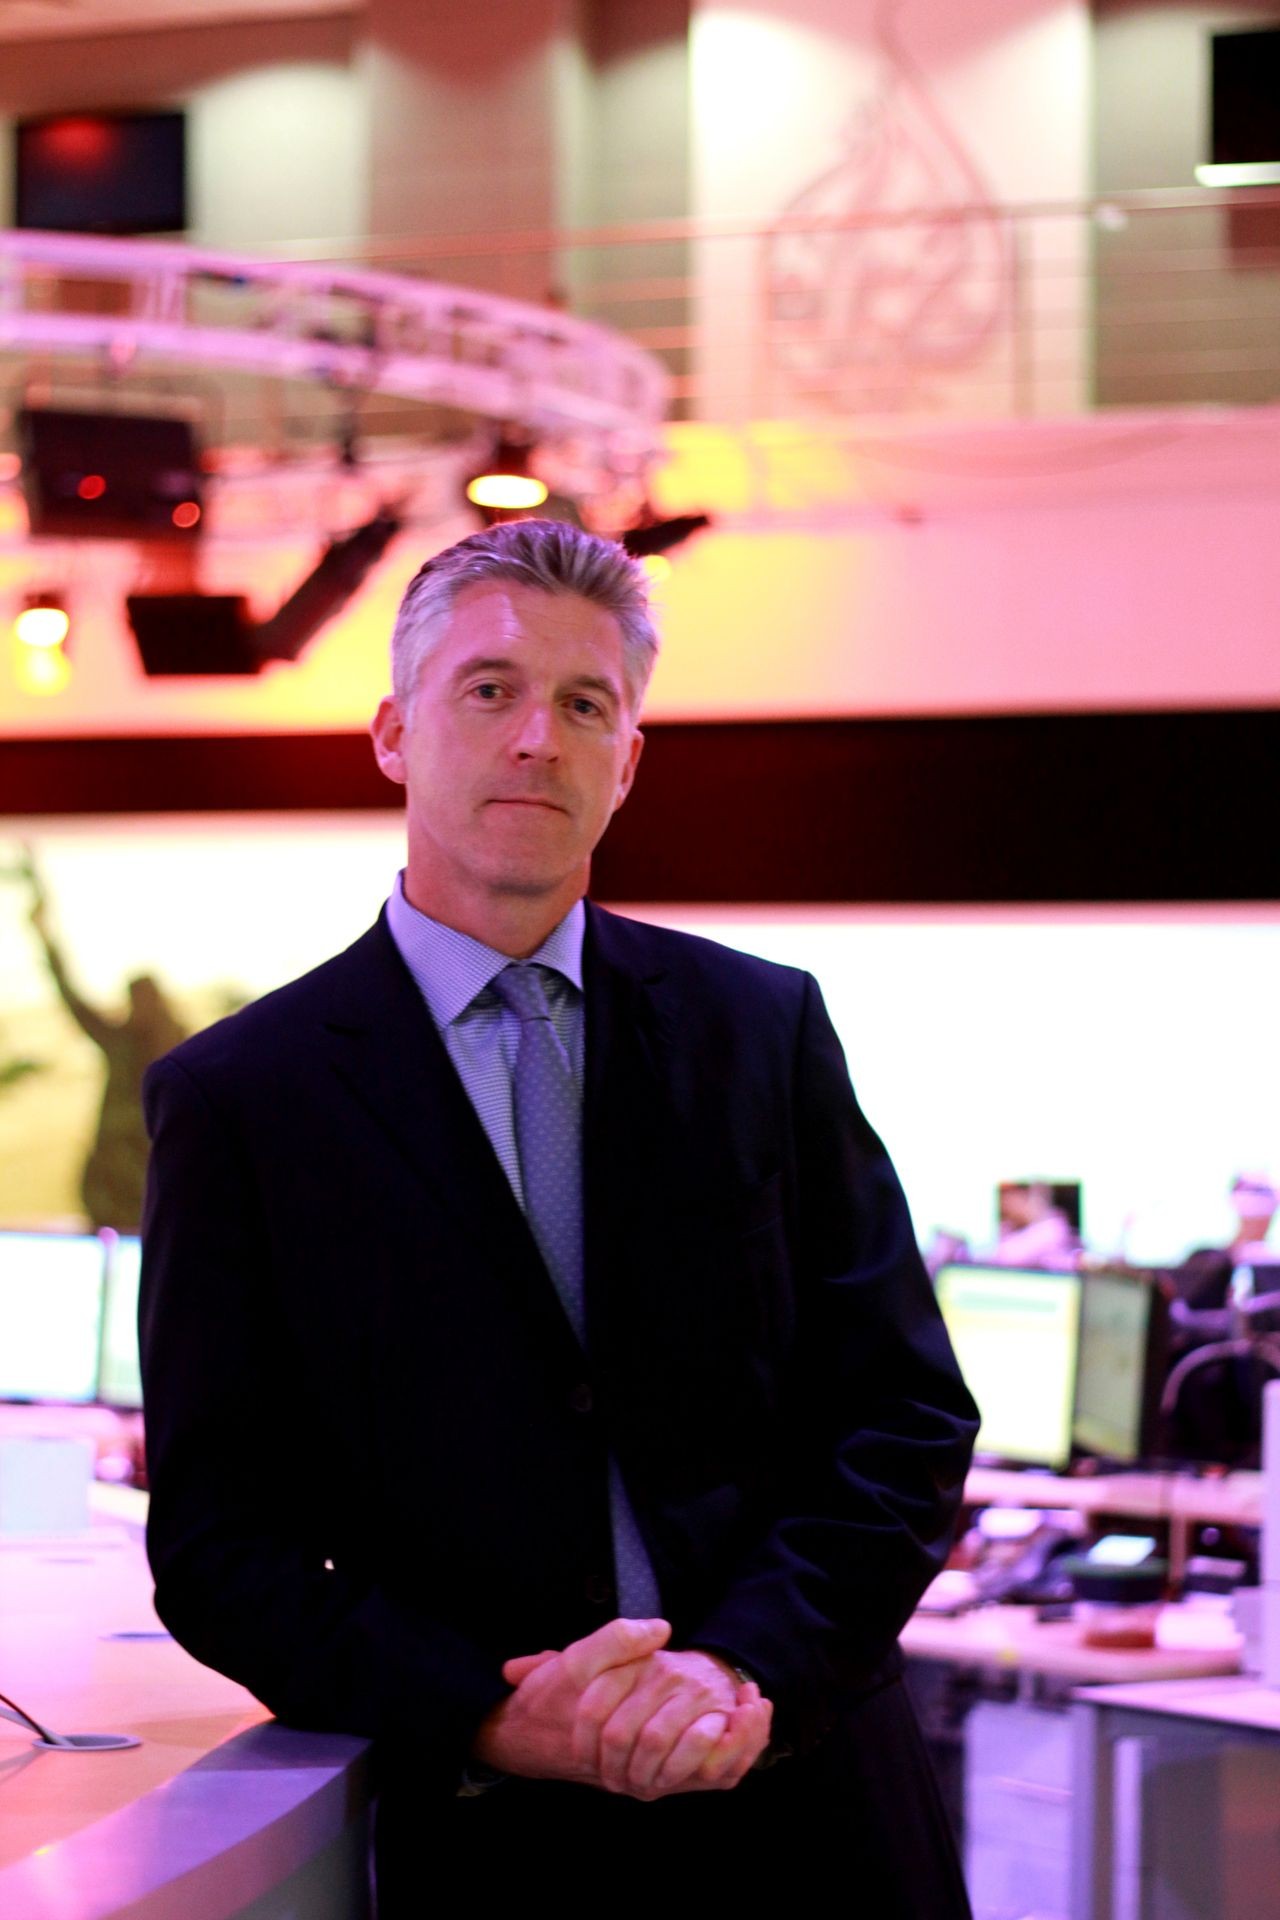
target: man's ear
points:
(388, 732)
(629, 770)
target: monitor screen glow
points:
(1115, 1322)
(1016, 1336)
(119, 1377)
(51, 1287)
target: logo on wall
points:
(890, 269)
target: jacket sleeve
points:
(879, 1430)
(238, 1559)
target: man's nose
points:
(536, 737)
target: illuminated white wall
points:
(1128, 1048)
(279, 154)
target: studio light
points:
(506, 484)
(43, 621)
(40, 632)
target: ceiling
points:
(47, 19)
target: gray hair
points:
(551, 555)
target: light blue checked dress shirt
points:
(453, 973)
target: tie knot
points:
(520, 988)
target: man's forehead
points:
(509, 617)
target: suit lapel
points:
(384, 1048)
(632, 1129)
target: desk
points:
(1177, 1801)
(1016, 1802)
(246, 1815)
(1011, 1640)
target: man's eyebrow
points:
(485, 663)
(598, 683)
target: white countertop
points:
(217, 1794)
(1239, 1701)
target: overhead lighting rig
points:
(575, 395)
(186, 633)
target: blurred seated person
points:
(1038, 1226)
(1203, 1280)
(945, 1249)
(1254, 1200)
(1218, 1412)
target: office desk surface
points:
(1240, 1701)
(217, 1794)
(1012, 1640)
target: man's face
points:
(1255, 1208)
(520, 748)
(1017, 1207)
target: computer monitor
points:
(1016, 1335)
(116, 172)
(51, 1287)
(119, 1375)
(1123, 1328)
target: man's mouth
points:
(527, 800)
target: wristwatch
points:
(776, 1750)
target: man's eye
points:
(487, 690)
(581, 704)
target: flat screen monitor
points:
(1016, 1335)
(119, 1376)
(102, 172)
(51, 1287)
(1245, 96)
(1122, 1353)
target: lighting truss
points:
(504, 360)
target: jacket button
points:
(599, 1591)
(581, 1399)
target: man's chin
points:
(526, 883)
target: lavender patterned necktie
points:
(548, 1123)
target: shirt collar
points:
(450, 968)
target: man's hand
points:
(616, 1711)
(687, 1725)
(533, 1731)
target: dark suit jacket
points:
(377, 1453)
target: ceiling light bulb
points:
(510, 490)
(42, 626)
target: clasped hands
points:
(618, 1711)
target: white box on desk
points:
(44, 1484)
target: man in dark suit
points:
(540, 1374)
